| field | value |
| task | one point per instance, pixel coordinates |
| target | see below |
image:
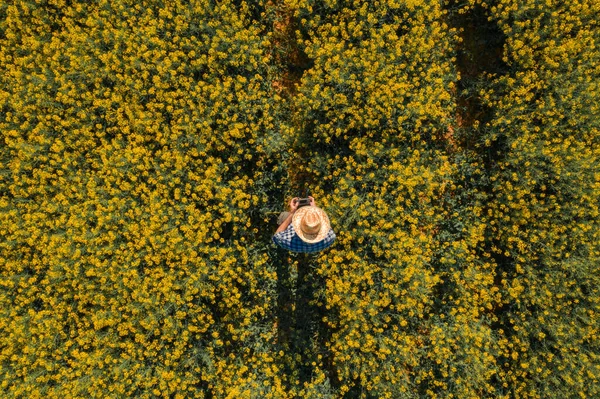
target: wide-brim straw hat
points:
(311, 224)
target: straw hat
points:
(311, 224)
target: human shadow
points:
(300, 309)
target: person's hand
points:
(294, 204)
(312, 201)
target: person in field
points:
(304, 228)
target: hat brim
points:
(311, 238)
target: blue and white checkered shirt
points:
(288, 239)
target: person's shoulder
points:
(285, 235)
(325, 242)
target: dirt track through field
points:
(299, 328)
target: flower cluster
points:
(136, 138)
(542, 214)
(406, 295)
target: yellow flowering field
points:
(147, 148)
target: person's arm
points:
(284, 225)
